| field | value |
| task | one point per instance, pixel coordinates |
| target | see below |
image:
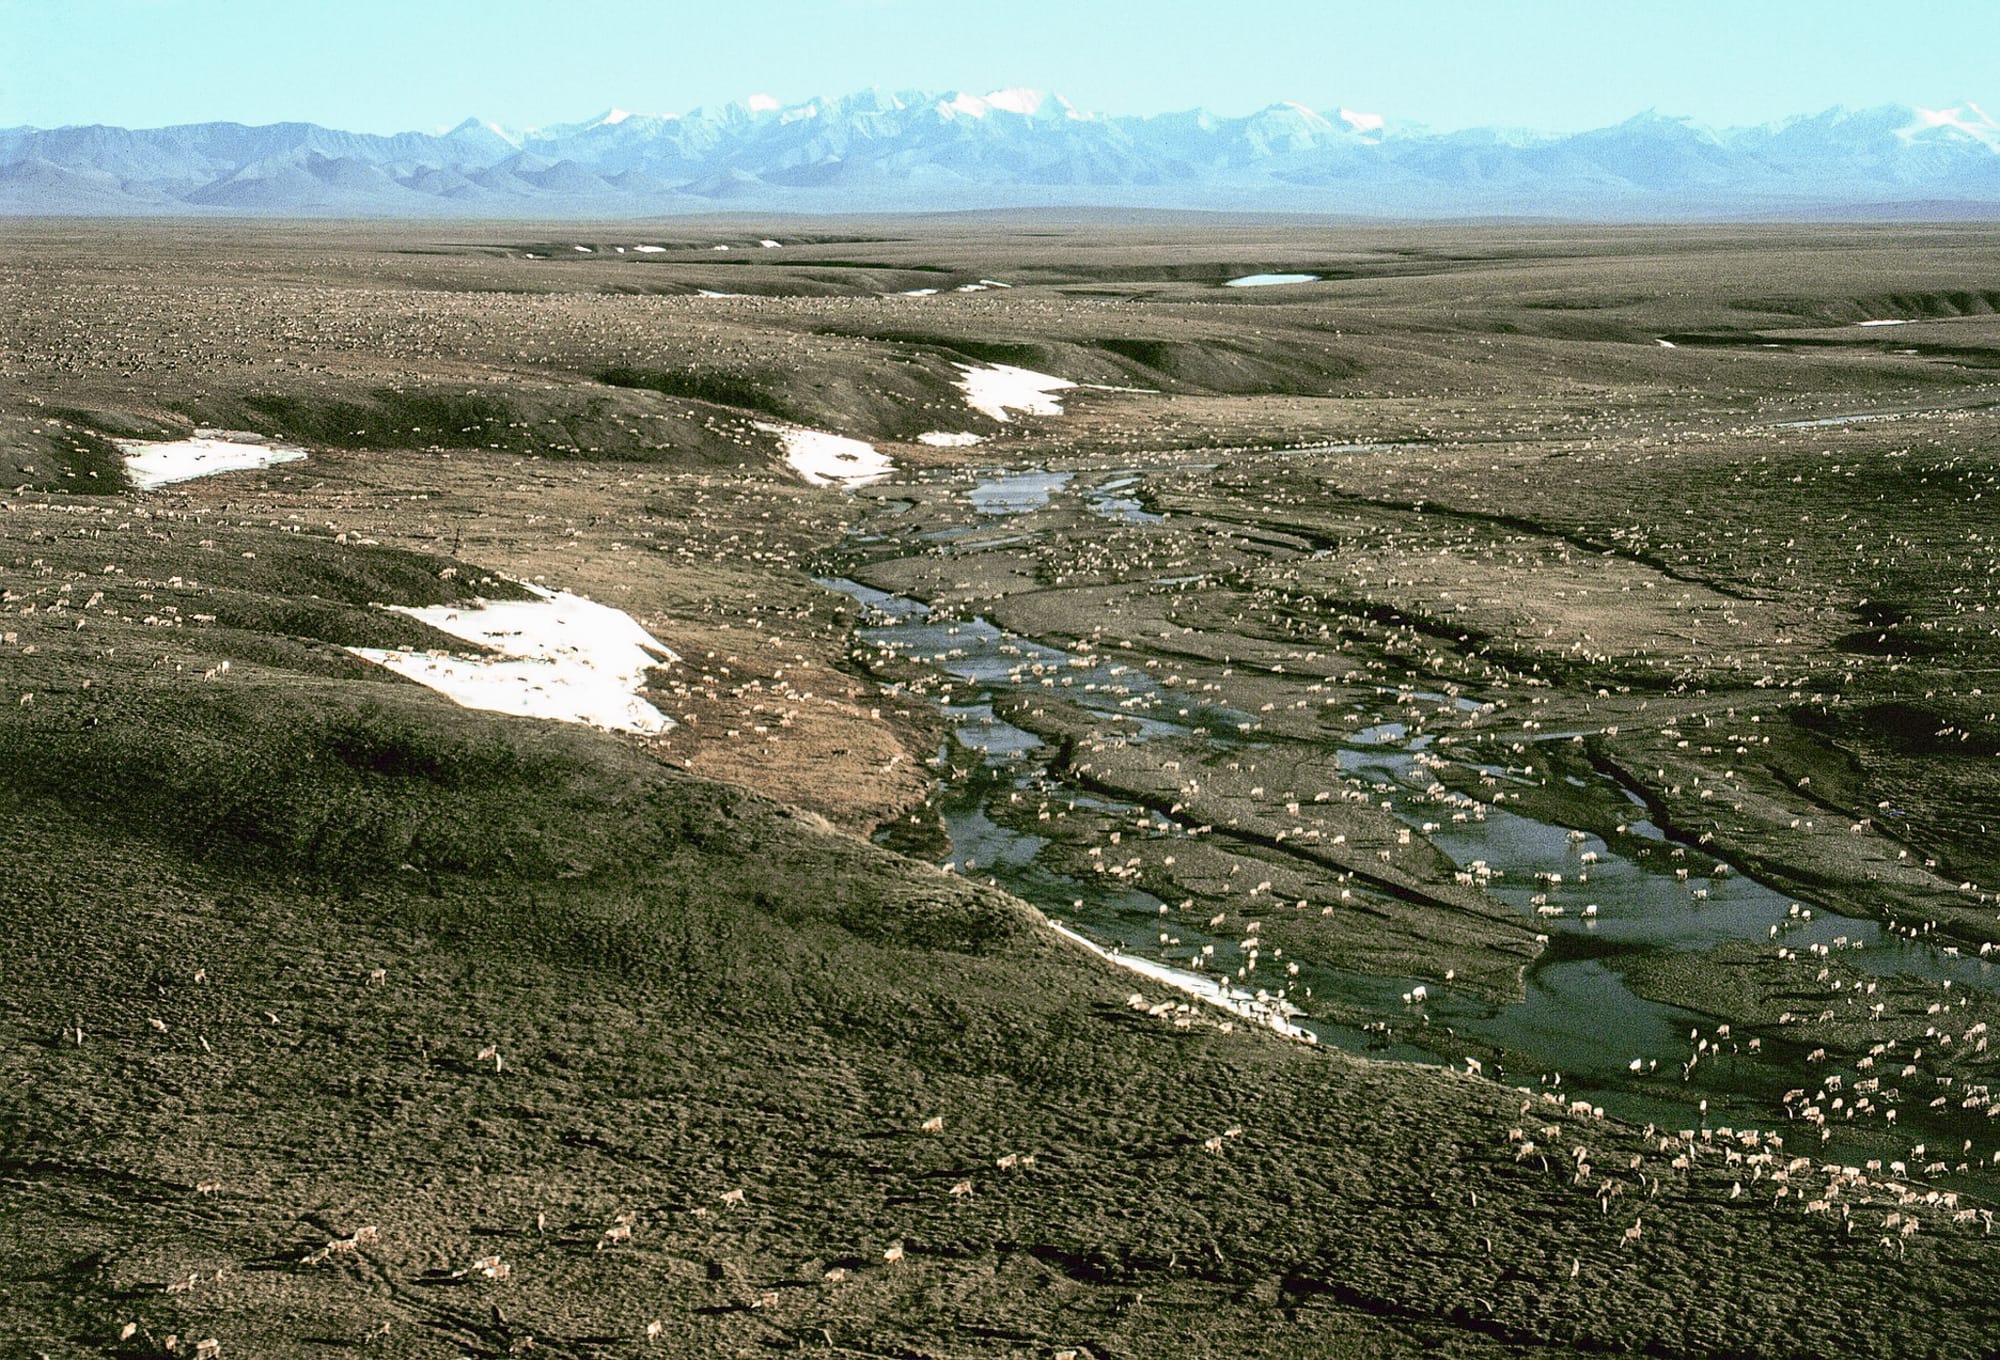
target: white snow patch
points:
(830, 459)
(1015, 101)
(1027, 103)
(1268, 280)
(946, 439)
(918, 292)
(1980, 126)
(1362, 122)
(584, 250)
(649, 250)
(1215, 992)
(614, 117)
(559, 656)
(150, 464)
(761, 103)
(769, 244)
(718, 247)
(1666, 344)
(1897, 321)
(710, 292)
(997, 389)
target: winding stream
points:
(1578, 1018)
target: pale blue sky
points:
(395, 65)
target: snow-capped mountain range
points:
(877, 150)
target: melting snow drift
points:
(997, 389)
(559, 656)
(830, 459)
(1215, 992)
(150, 464)
(948, 439)
(1267, 280)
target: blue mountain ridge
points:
(881, 151)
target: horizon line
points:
(758, 104)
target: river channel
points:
(1577, 1026)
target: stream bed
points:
(1577, 1028)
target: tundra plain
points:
(1556, 666)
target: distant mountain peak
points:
(1967, 119)
(1026, 103)
(478, 127)
(913, 149)
(1305, 111)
